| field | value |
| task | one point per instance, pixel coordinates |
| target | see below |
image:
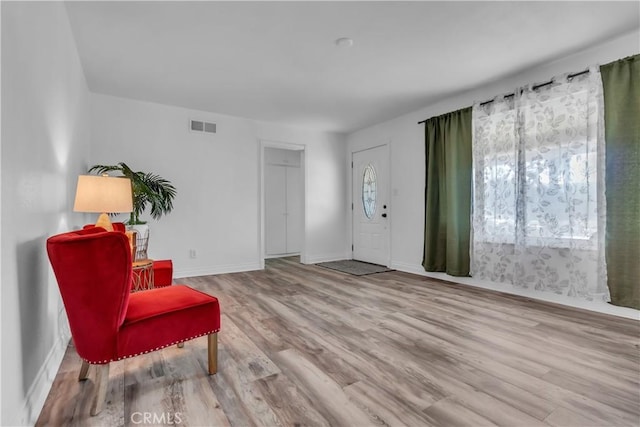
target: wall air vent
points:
(202, 127)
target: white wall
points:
(326, 190)
(45, 135)
(406, 139)
(217, 209)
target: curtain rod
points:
(570, 76)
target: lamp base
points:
(131, 235)
(104, 222)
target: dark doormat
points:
(356, 268)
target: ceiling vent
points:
(202, 127)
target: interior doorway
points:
(283, 195)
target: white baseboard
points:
(39, 389)
(314, 259)
(282, 255)
(597, 306)
(407, 268)
(251, 266)
(218, 269)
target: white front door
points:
(370, 214)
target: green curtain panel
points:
(448, 193)
(621, 85)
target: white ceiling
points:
(278, 62)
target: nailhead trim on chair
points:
(149, 351)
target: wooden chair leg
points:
(102, 383)
(213, 353)
(84, 371)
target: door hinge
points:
(351, 165)
(352, 247)
(352, 206)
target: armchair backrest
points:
(117, 226)
(93, 270)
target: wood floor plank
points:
(247, 355)
(626, 402)
(291, 406)
(239, 397)
(449, 412)
(564, 417)
(383, 406)
(546, 390)
(307, 346)
(437, 332)
(451, 359)
(475, 400)
(310, 344)
(266, 339)
(397, 382)
(330, 399)
(199, 405)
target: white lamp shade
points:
(103, 194)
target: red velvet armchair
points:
(108, 322)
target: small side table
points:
(142, 275)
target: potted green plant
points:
(149, 190)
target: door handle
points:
(384, 215)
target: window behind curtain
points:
(538, 198)
(558, 166)
(495, 159)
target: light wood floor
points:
(303, 345)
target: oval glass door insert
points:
(369, 191)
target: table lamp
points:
(103, 194)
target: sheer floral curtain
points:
(538, 194)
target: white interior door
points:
(284, 202)
(294, 209)
(275, 205)
(370, 214)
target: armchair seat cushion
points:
(161, 317)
